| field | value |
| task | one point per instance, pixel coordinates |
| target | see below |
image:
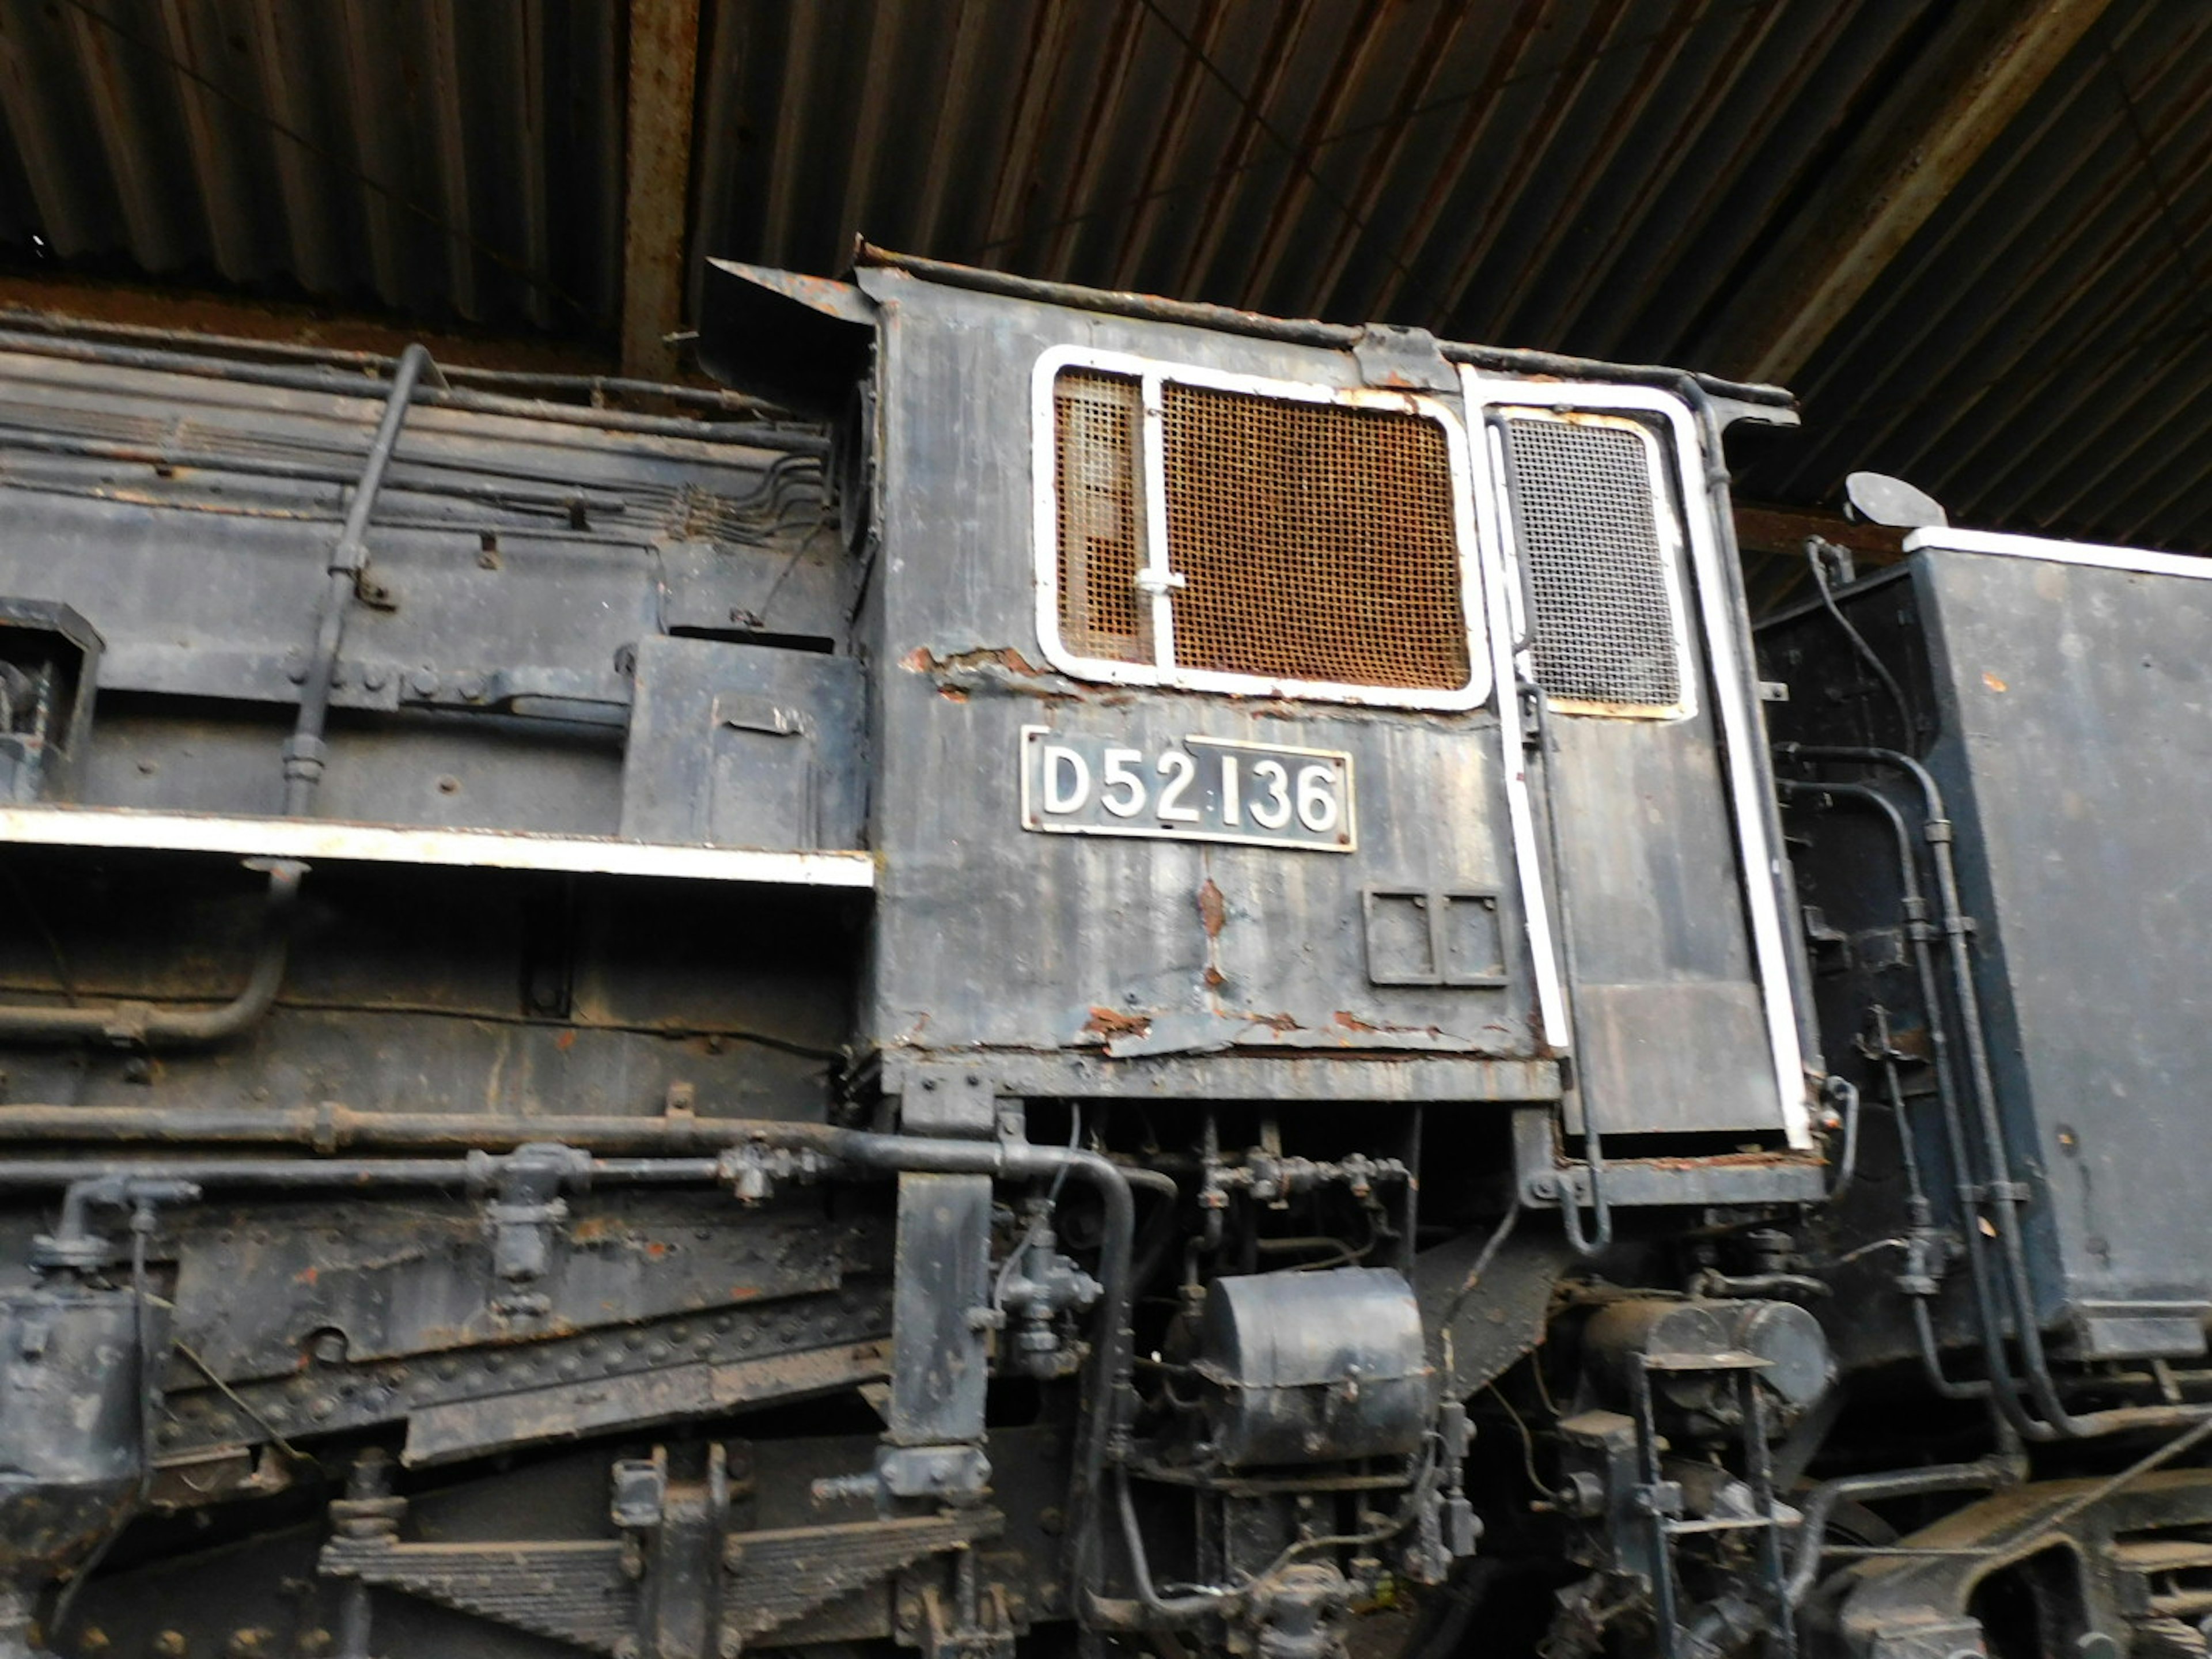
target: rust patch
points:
(1352, 1022)
(1745, 1160)
(1113, 1023)
(1213, 977)
(566, 1040)
(1993, 682)
(1212, 910)
(922, 660)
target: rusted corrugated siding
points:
(1597, 176)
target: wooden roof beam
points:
(1941, 116)
(663, 63)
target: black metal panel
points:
(2077, 748)
(743, 746)
(2067, 724)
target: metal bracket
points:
(950, 1101)
(1399, 359)
(524, 1215)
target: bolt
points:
(423, 682)
(472, 687)
(171, 1644)
(375, 675)
(449, 785)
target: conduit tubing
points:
(751, 434)
(141, 1024)
(1915, 906)
(1819, 1506)
(2005, 1197)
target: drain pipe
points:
(2006, 1197)
(141, 1024)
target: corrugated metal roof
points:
(445, 158)
(1601, 177)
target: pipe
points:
(304, 754)
(289, 1174)
(331, 1127)
(1914, 904)
(2006, 1197)
(751, 434)
(1819, 1508)
(140, 1023)
(236, 345)
(1342, 337)
(519, 498)
(1198, 1603)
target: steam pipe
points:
(140, 1022)
(1915, 907)
(304, 754)
(1819, 1506)
(2006, 1196)
(751, 434)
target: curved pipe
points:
(141, 1024)
(1915, 907)
(2006, 1197)
(1176, 1609)
(1820, 1506)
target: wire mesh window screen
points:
(1318, 542)
(1603, 628)
(1097, 418)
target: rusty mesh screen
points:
(1096, 419)
(1317, 542)
(1603, 622)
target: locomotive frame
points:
(695, 1166)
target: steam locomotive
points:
(1073, 972)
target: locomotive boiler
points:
(1070, 972)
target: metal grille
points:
(1603, 627)
(1101, 614)
(1317, 542)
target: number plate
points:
(1194, 789)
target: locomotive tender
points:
(1093, 972)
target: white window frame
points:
(1152, 376)
(1673, 549)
